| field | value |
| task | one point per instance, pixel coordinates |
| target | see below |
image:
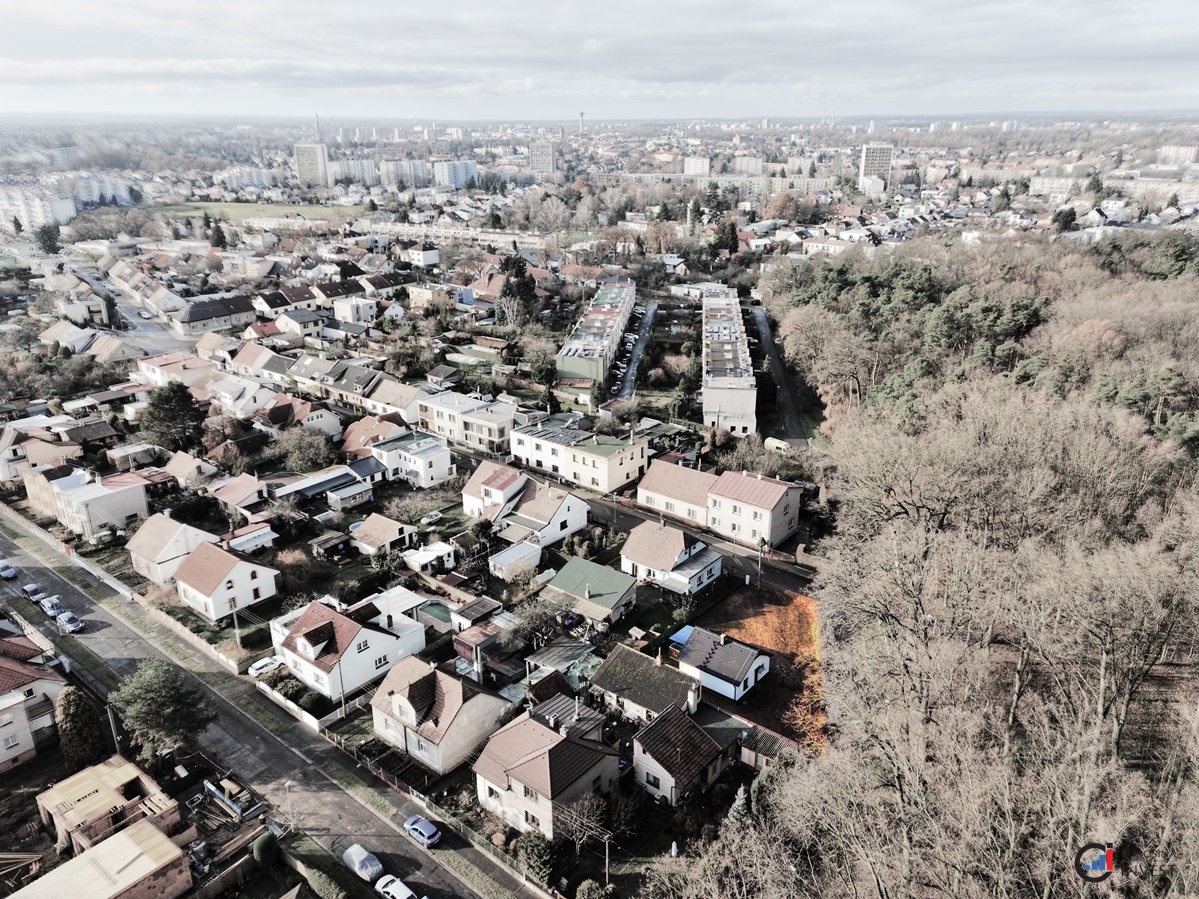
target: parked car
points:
(33, 592)
(423, 831)
(262, 666)
(6, 570)
(69, 621)
(52, 606)
(362, 863)
(431, 518)
(392, 887)
(142, 313)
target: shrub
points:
(291, 689)
(266, 850)
(589, 889)
(324, 885)
(310, 702)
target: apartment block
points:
(468, 421)
(599, 462)
(730, 390)
(454, 172)
(593, 343)
(312, 164)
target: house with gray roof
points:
(640, 687)
(596, 592)
(722, 665)
(673, 756)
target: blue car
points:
(423, 831)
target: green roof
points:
(606, 585)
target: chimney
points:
(552, 722)
(692, 699)
(389, 621)
(578, 701)
(166, 512)
(658, 657)
(759, 475)
(724, 638)
(587, 591)
(744, 473)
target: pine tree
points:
(81, 733)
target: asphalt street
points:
(797, 427)
(644, 335)
(150, 335)
(266, 758)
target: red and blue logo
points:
(1095, 862)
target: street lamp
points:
(291, 818)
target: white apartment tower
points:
(454, 172)
(730, 389)
(875, 163)
(697, 165)
(312, 164)
(543, 157)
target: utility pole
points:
(112, 722)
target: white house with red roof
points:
(27, 693)
(336, 653)
(215, 581)
(491, 485)
(749, 508)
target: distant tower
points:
(318, 127)
(580, 123)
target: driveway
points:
(644, 336)
(797, 427)
(266, 756)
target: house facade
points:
(597, 462)
(214, 582)
(749, 508)
(669, 558)
(438, 719)
(27, 701)
(529, 769)
(416, 457)
(160, 546)
(676, 491)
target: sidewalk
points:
(292, 768)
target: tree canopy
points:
(160, 709)
(171, 418)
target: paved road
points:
(797, 427)
(150, 335)
(644, 336)
(266, 760)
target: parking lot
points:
(633, 343)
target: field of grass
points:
(236, 212)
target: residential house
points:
(540, 512)
(436, 718)
(87, 807)
(527, 770)
(669, 558)
(138, 862)
(416, 457)
(491, 485)
(188, 471)
(444, 377)
(300, 322)
(206, 314)
(28, 689)
(676, 491)
(89, 504)
(424, 255)
(429, 296)
(337, 653)
(597, 462)
(722, 665)
(750, 508)
(182, 367)
(216, 582)
(160, 546)
(285, 411)
(673, 756)
(360, 436)
(513, 560)
(378, 533)
(39, 487)
(389, 395)
(23, 449)
(437, 557)
(594, 591)
(237, 397)
(468, 421)
(254, 360)
(640, 687)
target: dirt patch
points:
(20, 826)
(787, 626)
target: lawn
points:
(237, 212)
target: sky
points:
(547, 61)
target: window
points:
(757, 516)
(715, 522)
(669, 506)
(563, 525)
(597, 784)
(651, 780)
(753, 533)
(530, 793)
(554, 469)
(421, 746)
(492, 792)
(254, 574)
(29, 692)
(10, 742)
(381, 662)
(553, 451)
(595, 482)
(736, 509)
(649, 500)
(363, 645)
(715, 504)
(691, 513)
(228, 585)
(532, 819)
(257, 594)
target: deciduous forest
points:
(1009, 605)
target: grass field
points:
(236, 212)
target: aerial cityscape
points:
(679, 452)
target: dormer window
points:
(306, 648)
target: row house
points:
(596, 462)
(748, 508)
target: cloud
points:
(617, 59)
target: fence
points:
(476, 839)
(309, 721)
(66, 549)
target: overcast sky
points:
(612, 59)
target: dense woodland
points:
(1009, 608)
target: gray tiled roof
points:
(640, 680)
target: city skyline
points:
(704, 60)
